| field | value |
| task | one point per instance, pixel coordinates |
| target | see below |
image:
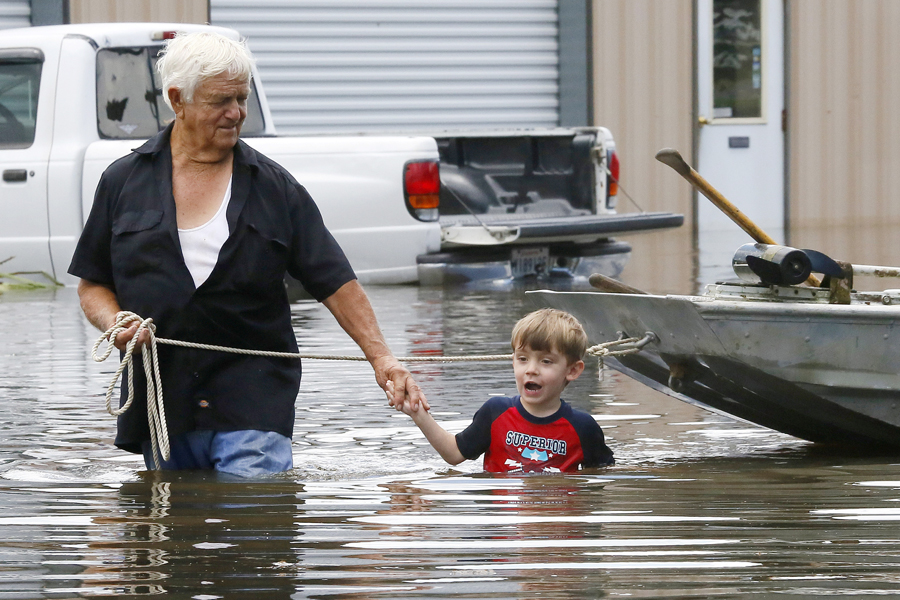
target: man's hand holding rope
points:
(123, 337)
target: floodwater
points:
(697, 506)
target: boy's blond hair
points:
(549, 329)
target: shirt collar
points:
(242, 153)
(158, 142)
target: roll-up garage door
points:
(15, 13)
(402, 65)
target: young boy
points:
(534, 431)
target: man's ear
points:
(575, 370)
(177, 101)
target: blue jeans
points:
(246, 453)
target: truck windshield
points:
(20, 79)
(129, 96)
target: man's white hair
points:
(190, 58)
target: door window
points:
(737, 59)
(20, 79)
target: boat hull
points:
(822, 372)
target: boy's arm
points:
(437, 436)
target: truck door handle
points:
(15, 175)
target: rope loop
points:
(622, 346)
(607, 348)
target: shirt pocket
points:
(137, 242)
(261, 259)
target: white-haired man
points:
(197, 230)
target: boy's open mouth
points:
(532, 387)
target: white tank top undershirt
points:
(200, 245)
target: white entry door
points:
(740, 84)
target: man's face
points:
(218, 110)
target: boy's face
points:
(541, 377)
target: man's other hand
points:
(123, 337)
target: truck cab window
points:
(129, 96)
(20, 79)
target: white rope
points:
(156, 413)
(621, 347)
(601, 350)
(476, 357)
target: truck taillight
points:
(422, 188)
(612, 179)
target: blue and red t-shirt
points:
(512, 439)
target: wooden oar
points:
(672, 158)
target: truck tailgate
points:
(492, 229)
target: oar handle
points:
(672, 158)
(612, 286)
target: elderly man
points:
(197, 230)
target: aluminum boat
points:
(819, 363)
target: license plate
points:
(529, 261)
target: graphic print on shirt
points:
(521, 445)
(538, 449)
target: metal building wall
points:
(15, 13)
(402, 65)
(124, 11)
(644, 92)
(844, 96)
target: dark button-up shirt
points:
(130, 243)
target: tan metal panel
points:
(643, 91)
(124, 11)
(843, 128)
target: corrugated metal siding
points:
(643, 92)
(844, 128)
(402, 65)
(126, 11)
(15, 13)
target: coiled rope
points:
(156, 414)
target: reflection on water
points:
(698, 505)
(784, 522)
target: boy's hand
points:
(406, 406)
(403, 387)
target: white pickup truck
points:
(405, 208)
